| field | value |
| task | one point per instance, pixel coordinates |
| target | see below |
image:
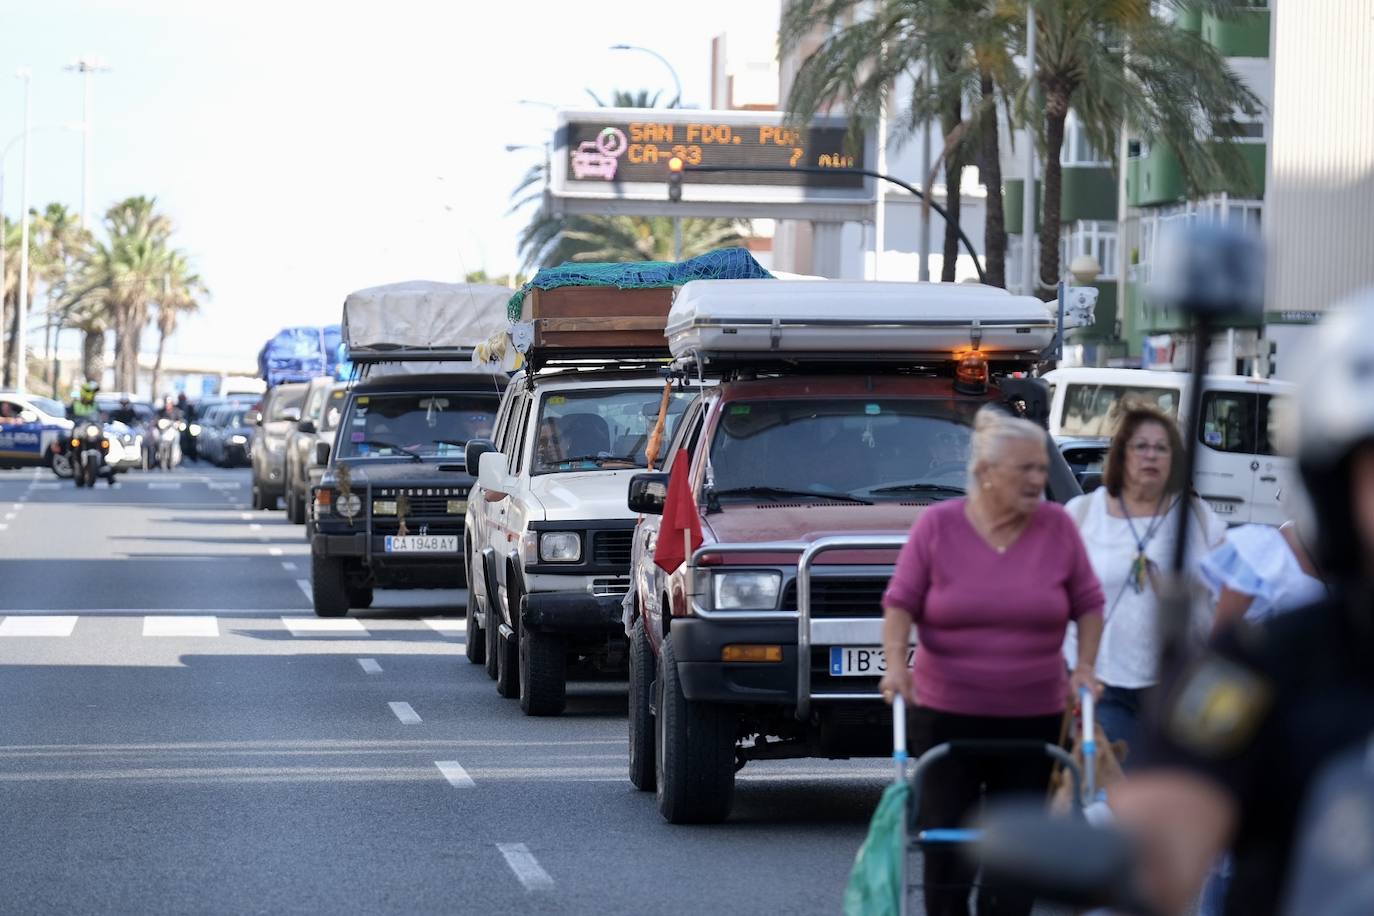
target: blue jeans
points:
(1118, 712)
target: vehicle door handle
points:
(1269, 478)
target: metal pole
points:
(923, 273)
(1028, 267)
(85, 143)
(879, 195)
(4, 364)
(21, 331)
(677, 238)
(677, 83)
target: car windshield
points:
(602, 428)
(1093, 410)
(48, 406)
(284, 401)
(333, 410)
(431, 425)
(231, 418)
(860, 448)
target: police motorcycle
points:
(167, 446)
(90, 446)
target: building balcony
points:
(1157, 177)
(1087, 192)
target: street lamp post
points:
(21, 319)
(86, 66)
(677, 83)
(1029, 270)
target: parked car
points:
(314, 467)
(281, 408)
(234, 434)
(29, 428)
(300, 447)
(1239, 470)
(548, 535)
(389, 510)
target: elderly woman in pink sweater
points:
(990, 582)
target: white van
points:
(1239, 472)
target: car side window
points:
(1228, 421)
(521, 437)
(688, 432)
(506, 444)
(503, 417)
(316, 405)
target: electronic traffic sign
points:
(616, 161)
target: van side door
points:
(1227, 430)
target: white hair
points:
(993, 428)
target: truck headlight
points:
(560, 546)
(195, 430)
(348, 505)
(238, 440)
(746, 591)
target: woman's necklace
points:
(1140, 566)
(988, 529)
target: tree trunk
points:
(93, 354)
(1056, 111)
(954, 173)
(8, 335)
(995, 227)
(157, 364)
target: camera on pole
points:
(675, 179)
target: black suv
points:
(389, 509)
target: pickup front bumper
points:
(573, 613)
(394, 570)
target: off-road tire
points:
(328, 586)
(493, 627)
(508, 666)
(258, 501)
(695, 758)
(295, 513)
(641, 718)
(475, 637)
(543, 674)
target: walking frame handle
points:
(1088, 741)
(899, 754)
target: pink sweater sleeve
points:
(906, 591)
(1085, 591)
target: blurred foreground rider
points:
(1244, 732)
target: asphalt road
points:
(177, 735)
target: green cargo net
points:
(721, 264)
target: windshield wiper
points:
(456, 442)
(597, 458)
(782, 493)
(919, 488)
(378, 443)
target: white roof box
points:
(422, 320)
(752, 321)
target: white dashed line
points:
(38, 626)
(403, 712)
(455, 774)
(311, 626)
(274, 551)
(291, 567)
(525, 866)
(304, 586)
(370, 665)
(165, 485)
(246, 516)
(9, 516)
(47, 486)
(225, 486)
(447, 627)
(180, 626)
(4, 527)
(255, 527)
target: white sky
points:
(306, 149)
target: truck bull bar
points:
(832, 628)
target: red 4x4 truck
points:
(806, 471)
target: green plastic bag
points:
(876, 881)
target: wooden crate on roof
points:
(599, 318)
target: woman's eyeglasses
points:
(1146, 448)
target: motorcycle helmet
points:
(1333, 416)
(89, 389)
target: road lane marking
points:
(455, 774)
(370, 665)
(255, 527)
(274, 551)
(447, 627)
(311, 626)
(164, 485)
(403, 712)
(525, 866)
(180, 626)
(4, 527)
(291, 567)
(225, 486)
(247, 516)
(47, 486)
(304, 586)
(37, 626)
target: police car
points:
(29, 427)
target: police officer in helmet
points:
(1245, 732)
(84, 407)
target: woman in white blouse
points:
(1129, 526)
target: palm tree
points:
(124, 274)
(1115, 60)
(64, 247)
(967, 43)
(550, 239)
(13, 240)
(180, 289)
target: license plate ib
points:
(861, 661)
(421, 543)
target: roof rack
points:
(421, 321)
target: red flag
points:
(679, 534)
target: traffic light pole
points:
(675, 190)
